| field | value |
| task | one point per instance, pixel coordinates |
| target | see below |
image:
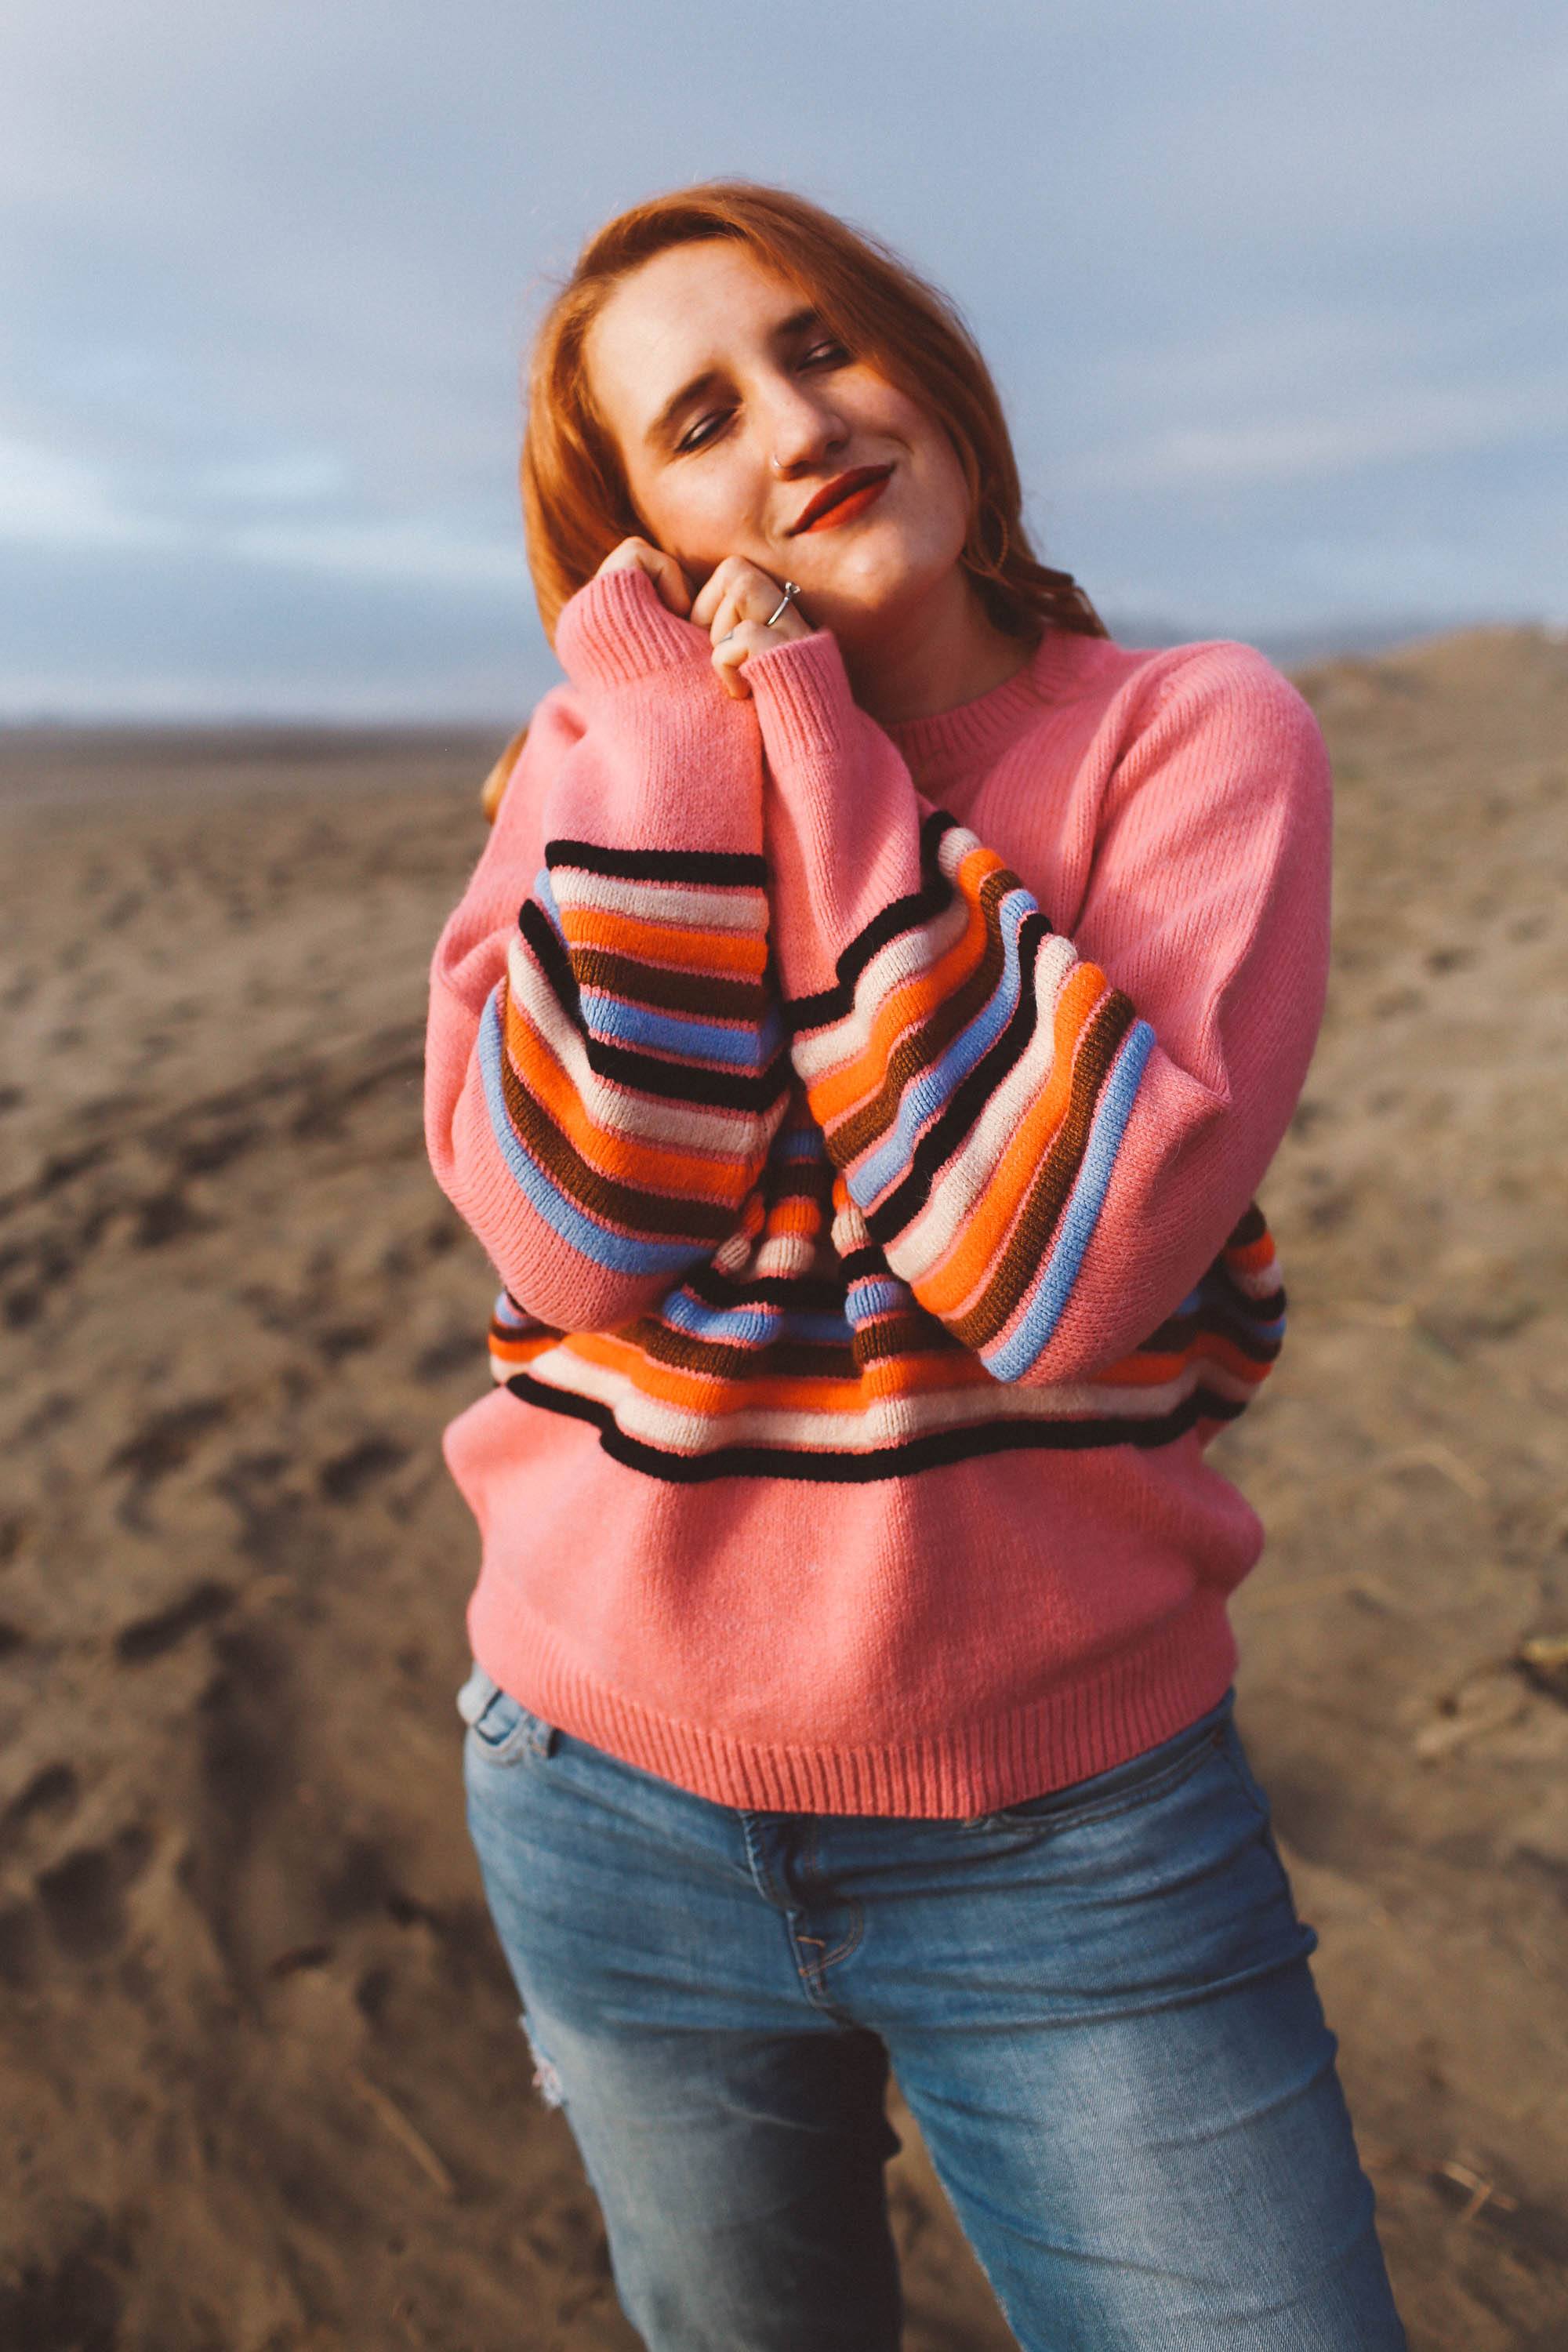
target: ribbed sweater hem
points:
(1083, 1725)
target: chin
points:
(856, 605)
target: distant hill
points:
(1319, 641)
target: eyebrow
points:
(797, 323)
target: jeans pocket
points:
(500, 1729)
(1139, 1781)
(1256, 1794)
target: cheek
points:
(945, 492)
(698, 519)
(951, 491)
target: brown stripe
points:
(649, 1214)
(1055, 1177)
(732, 1362)
(905, 1334)
(798, 1179)
(701, 994)
(861, 1128)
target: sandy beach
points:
(262, 2087)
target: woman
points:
(856, 1050)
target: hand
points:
(641, 555)
(733, 605)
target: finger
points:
(731, 580)
(674, 588)
(729, 616)
(667, 577)
(711, 593)
(729, 656)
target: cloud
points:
(1403, 425)
(50, 498)
(411, 553)
(1245, 273)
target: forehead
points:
(689, 308)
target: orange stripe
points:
(840, 1090)
(921, 1375)
(696, 1392)
(665, 944)
(795, 1216)
(519, 1351)
(1208, 1346)
(1215, 1349)
(1254, 1256)
(650, 1167)
(984, 1231)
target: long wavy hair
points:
(575, 502)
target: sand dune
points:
(261, 2082)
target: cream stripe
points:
(903, 959)
(699, 1129)
(888, 1421)
(1262, 1282)
(961, 1182)
(741, 909)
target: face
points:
(707, 367)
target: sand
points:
(261, 2083)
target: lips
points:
(833, 494)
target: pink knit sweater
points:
(864, 1124)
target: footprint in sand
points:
(83, 1897)
(346, 1476)
(151, 1637)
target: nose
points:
(802, 429)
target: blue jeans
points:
(1098, 2005)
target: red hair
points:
(575, 503)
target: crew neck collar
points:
(972, 727)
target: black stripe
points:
(678, 1081)
(868, 1264)
(933, 897)
(929, 1453)
(1175, 1338)
(726, 867)
(1250, 1229)
(812, 1294)
(969, 1099)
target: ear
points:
(495, 784)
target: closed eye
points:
(692, 441)
(828, 354)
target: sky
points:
(1276, 294)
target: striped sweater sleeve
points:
(1049, 1140)
(606, 1065)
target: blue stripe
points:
(874, 1297)
(618, 1251)
(1010, 1360)
(546, 897)
(743, 1326)
(928, 1094)
(613, 1018)
(513, 1318)
(804, 1143)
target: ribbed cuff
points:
(617, 630)
(805, 706)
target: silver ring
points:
(791, 588)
